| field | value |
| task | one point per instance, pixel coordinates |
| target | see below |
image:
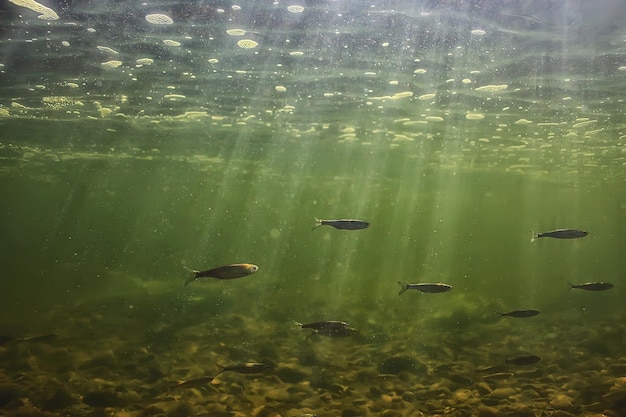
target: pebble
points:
(561, 402)
(502, 393)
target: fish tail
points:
(403, 287)
(533, 236)
(571, 286)
(192, 277)
(297, 323)
(318, 223)
(501, 314)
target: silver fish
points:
(560, 234)
(592, 286)
(344, 224)
(193, 383)
(223, 272)
(430, 287)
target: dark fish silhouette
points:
(592, 286)
(524, 360)
(560, 234)
(322, 326)
(519, 313)
(429, 287)
(344, 224)
(223, 272)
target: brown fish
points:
(223, 272)
(193, 383)
(246, 368)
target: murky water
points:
(133, 148)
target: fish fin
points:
(318, 223)
(192, 277)
(403, 287)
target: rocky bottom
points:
(118, 359)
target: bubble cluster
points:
(111, 64)
(295, 9)
(45, 13)
(236, 32)
(159, 19)
(247, 44)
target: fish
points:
(560, 234)
(223, 272)
(524, 360)
(344, 224)
(498, 375)
(245, 368)
(47, 337)
(193, 383)
(324, 326)
(592, 286)
(430, 287)
(519, 313)
(339, 332)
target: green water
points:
(454, 130)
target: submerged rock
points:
(8, 393)
(561, 402)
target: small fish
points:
(592, 286)
(324, 326)
(524, 360)
(345, 224)
(429, 287)
(560, 234)
(498, 375)
(519, 313)
(193, 383)
(339, 332)
(223, 272)
(33, 339)
(246, 368)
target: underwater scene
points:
(331, 208)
